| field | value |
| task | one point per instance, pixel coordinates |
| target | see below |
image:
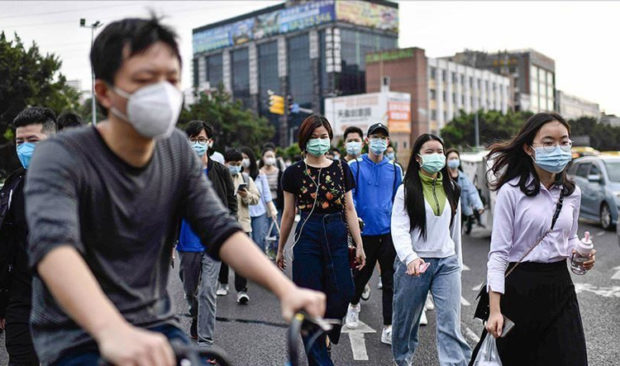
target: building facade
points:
(532, 74)
(573, 107)
(439, 88)
(308, 50)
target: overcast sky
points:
(580, 36)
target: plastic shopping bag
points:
(488, 355)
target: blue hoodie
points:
(376, 185)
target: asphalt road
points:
(250, 343)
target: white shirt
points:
(441, 240)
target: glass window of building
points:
(240, 67)
(215, 70)
(462, 100)
(462, 79)
(445, 116)
(444, 77)
(268, 80)
(454, 98)
(354, 45)
(300, 70)
(433, 94)
(454, 78)
(433, 73)
(433, 114)
(443, 95)
(325, 88)
(195, 71)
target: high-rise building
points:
(573, 107)
(532, 73)
(439, 88)
(308, 50)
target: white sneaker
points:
(243, 298)
(429, 305)
(423, 320)
(222, 290)
(353, 316)
(386, 335)
(366, 293)
(380, 285)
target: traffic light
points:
(289, 103)
(276, 104)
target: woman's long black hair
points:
(414, 195)
(253, 169)
(510, 161)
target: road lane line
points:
(471, 334)
(464, 302)
(358, 343)
(616, 275)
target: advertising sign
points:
(363, 110)
(291, 19)
(368, 14)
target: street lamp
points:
(92, 27)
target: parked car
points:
(599, 180)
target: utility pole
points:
(477, 129)
(92, 27)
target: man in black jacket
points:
(198, 271)
(32, 125)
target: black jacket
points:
(222, 182)
(15, 275)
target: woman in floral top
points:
(321, 190)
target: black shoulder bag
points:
(482, 309)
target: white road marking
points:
(464, 302)
(358, 343)
(613, 291)
(616, 275)
(600, 233)
(477, 287)
(465, 268)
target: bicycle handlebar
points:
(305, 324)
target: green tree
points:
(28, 78)
(235, 126)
(86, 111)
(602, 137)
(493, 126)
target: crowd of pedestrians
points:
(90, 223)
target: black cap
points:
(378, 127)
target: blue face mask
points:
(377, 146)
(552, 161)
(318, 147)
(24, 153)
(200, 148)
(234, 169)
(433, 163)
(354, 148)
(454, 163)
(390, 156)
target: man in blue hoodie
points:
(376, 181)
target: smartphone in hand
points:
(242, 187)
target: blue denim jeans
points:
(443, 279)
(89, 355)
(321, 262)
(260, 225)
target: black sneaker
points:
(193, 329)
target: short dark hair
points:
(233, 155)
(35, 116)
(194, 127)
(353, 129)
(69, 119)
(308, 126)
(106, 54)
(334, 150)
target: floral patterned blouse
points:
(301, 180)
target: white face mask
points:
(270, 161)
(152, 110)
(246, 163)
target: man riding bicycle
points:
(103, 203)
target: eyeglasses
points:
(549, 146)
(201, 140)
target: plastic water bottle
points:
(582, 254)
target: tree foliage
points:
(602, 137)
(494, 126)
(234, 125)
(28, 78)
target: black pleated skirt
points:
(540, 298)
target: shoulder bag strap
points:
(556, 214)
